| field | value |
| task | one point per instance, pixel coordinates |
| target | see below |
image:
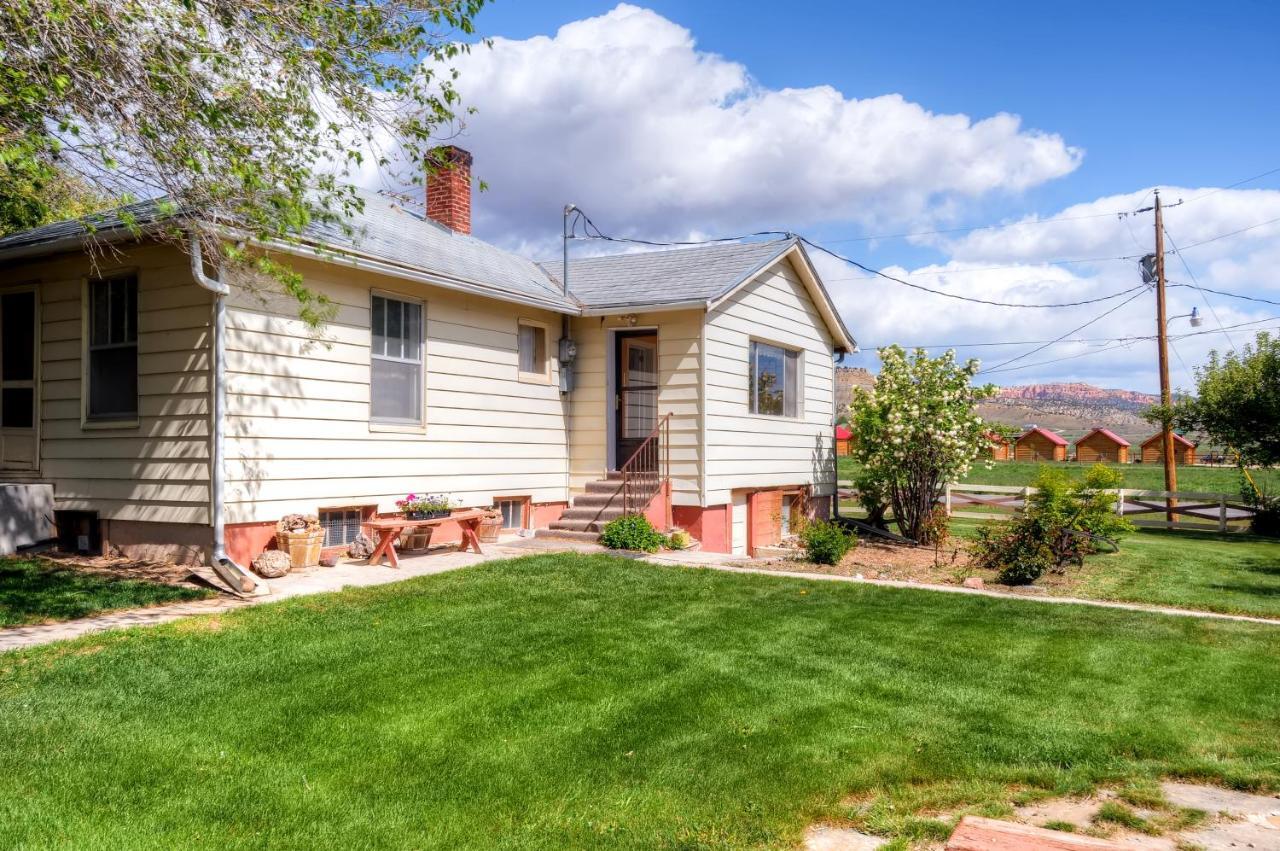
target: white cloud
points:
(1247, 263)
(623, 115)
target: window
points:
(788, 506)
(113, 349)
(775, 380)
(531, 345)
(513, 512)
(395, 383)
(18, 359)
(341, 525)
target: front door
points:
(18, 359)
(636, 402)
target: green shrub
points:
(632, 532)
(825, 542)
(1062, 523)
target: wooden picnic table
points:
(389, 529)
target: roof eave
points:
(826, 307)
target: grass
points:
(1138, 476)
(1235, 574)
(35, 591)
(570, 701)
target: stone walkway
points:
(318, 580)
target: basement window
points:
(341, 525)
(514, 514)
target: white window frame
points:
(123, 420)
(535, 377)
(418, 425)
(752, 401)
(526, 510)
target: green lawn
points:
(1138, 476)
(564, 701)
(35, 591)
(1192, 570)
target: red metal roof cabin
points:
(1102, 445)
(1040, 444)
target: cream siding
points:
(679, 371)
(744, 450)
(158, 469)
(298, 430)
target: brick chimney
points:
(449, 188)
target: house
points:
(1184, 451)
(1040, 444)
(844, 441)
(1102, 445)
(182, 413)
(998, 447)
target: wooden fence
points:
(1192, 510)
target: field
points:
(1138, 476)
(568, 701)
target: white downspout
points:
(233, 574)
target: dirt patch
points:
(158, 572)
(879, 559)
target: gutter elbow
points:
(197, 270)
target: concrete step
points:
(569, 535)
(591, 512)
(597, 500)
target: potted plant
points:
(301, 536)
(426, 507)
(491, 525)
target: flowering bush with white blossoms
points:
(916, 431)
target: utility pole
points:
(1166, 396)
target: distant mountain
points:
(1071, 409)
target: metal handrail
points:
(648, 468)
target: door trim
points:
(32, 287)
(611, 461)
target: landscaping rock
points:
(272, 564)
(823, 838)
(330, 560)
(974, 582)
(362, 547)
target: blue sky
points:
(1110, 99)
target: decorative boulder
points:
(362, 547)
(330, 560)
(272, 564)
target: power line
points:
(1002, 367)
(1195, 282)
(1129, 339)
(906, 283)
(1232, 233)
(1240, 296)
(1234, 185)
(976, 227)
(1126, 343)
(591, 231)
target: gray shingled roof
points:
(669, 276)
(385, 231)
